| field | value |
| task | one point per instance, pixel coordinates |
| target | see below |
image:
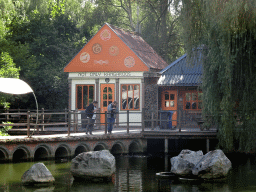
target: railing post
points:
(28, 123)
(37, 122)
(152, 118)
(97, 119)
(179, 119)
(207, 145)
(76, 119)
(66, 118)
(128, 124)
(43, 119)
(7, 117)
(166, 145)
(106, 125)
(143, 119)
(69, 122)
(19, 113)
(160, 122)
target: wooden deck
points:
(148, 133)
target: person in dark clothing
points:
(111, 116)
(91, 114)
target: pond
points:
(133, 173)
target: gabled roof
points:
(114, 49)
(141, 48)
(182, 73)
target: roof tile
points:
(180, 73)
(141, 48)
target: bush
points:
(4, 130)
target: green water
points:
(133, 174)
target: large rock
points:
(183, 163)
(213, 165)
(37, 174)
(93, 164)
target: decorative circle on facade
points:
(129, 61)
(114, 50)
(84, 57)
(105, 35)
(96, 48)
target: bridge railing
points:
(31, 121)
(154, 120)
(68, 121)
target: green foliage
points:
(42, 36)
(5, 129)
(161, 29)
(6, 105)
(2, 29)
(57, 8)
(7, 67)
(225, 30)
(151, 19)
(49, 44)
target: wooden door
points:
(107, 95)
(169, 103)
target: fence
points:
(71, 120)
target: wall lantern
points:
(107, 80)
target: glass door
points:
(107, 95)
(169, 103)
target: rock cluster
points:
(212, 165)
(93, 165)
(183, 163)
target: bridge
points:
(64, 146)
(57, 140)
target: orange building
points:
(114, 65)
(180, 92)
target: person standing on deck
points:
(91, 114)
(111, 115)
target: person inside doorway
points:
(91, 115)
(111, 116)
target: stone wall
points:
(151, 99)
(63, 147)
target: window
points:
(84, 96)
(130, 97)
(193, 100)
(107, 96)
(169, 100)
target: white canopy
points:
(17, 86)
(14, 86)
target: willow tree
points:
(226, 29)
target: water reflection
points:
(95, 187)
(132, 174)
(129, 174)
(190, 187)
(38, 189)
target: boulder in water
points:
(184, 163)
(93, 165)
(37, 174)
(213, 165)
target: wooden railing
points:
(70, 120)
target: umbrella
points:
(17, 86)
